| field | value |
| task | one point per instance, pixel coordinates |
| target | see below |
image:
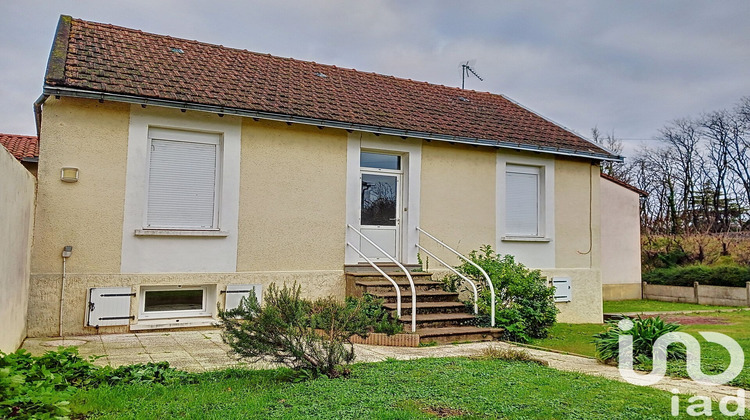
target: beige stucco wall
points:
(457, 198)
(17, 191)
(87, 214)
(292, 198)
(577, 239)
(621, 244)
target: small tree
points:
(312, 336)
(525, 305)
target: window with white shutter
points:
(183, 180)
(523, 206)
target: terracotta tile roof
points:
(104, 58)
(624, 184)
(22, 147)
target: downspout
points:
(38, 114)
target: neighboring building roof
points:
(24, 148)
(109, 62)
(624, 184)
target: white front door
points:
(380, 205)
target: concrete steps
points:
(441, 316)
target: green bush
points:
(731, 276)
(374, 316)
(645, 331)
(313, 337)
(39, 387)
(525, 306)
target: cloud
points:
(629, 66)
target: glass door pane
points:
(379, 200)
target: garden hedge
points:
(731, 276)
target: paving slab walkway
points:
(204, 350)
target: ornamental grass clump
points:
(645, 331)
(310, 336)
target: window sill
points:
(524, 239)
(165, 324)
(171, 232)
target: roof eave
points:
(82, 93)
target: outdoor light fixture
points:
(69, 174)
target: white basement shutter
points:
(182, 185)
(522, 201)
(235, 293)
(562, 289)
(109, 306)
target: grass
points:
(625, 306)
(416, 389)
(577, 338)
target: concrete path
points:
(199, 351)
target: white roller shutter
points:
(109, 306)
(235, 293)
(522, 201)
(182, 184)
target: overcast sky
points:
(624, 66)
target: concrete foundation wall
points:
(44, 314)
(700, 294)
(17, 195)
(628, 291)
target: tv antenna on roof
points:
(467, 71)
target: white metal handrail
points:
(408, 276)
(481, 270)
(456, 272)
(382, 273)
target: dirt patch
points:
(443, 411)
(693, 320)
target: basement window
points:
(175, 301)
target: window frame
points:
(541, 209)
(188, 313)
(184, 136)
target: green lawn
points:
(454, 387)
(624, 306)
(577, 338)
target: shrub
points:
(645, 331)
(525, 306)
(731, 276)
(374, 316)
(304, 335)
(39, 387)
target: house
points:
(23, 148)
(621, 239)
(176, 175)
